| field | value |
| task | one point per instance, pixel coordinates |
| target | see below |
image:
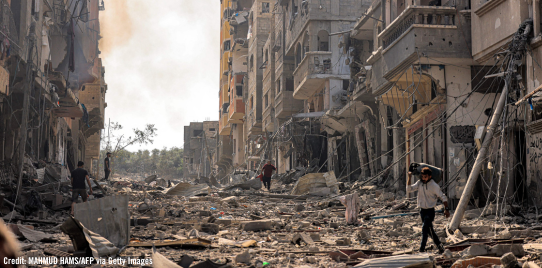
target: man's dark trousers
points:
(267, 182)
(428, 216)
(107, 172)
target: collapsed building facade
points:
(199, 149)
(53, 88)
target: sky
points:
(161, 63)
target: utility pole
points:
(465, 197)
(516, 51)
(23, 131)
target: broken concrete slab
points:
(243, 257)
(158, 260)
(302, 237)
(313, 181)
(254, 226)
(254, 183)
(14, 228)
(106, 216)
(477, 262)
(209, 228)
(422, 260)
(187, 189)
(476, 250)
(33, 235)
(501, 249)
(509, 260)
(87, 242)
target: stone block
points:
(302, 237)
(260, 225)
(243, 257)
(476, 250)
(502, 249)
(210, 228)
(343, 241)
(508, 260)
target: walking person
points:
(79, 176)
(267, 173)
(107, 166)
(428, 193)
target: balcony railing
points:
(315, 62)
(417, 15)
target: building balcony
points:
(93, 97)
(69, 105)
(254, 125)
(428, 31)
(311, 73)
(224, 128)
(236, 111)
(286, 105)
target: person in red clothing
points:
(267, 173)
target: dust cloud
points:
(115, 25)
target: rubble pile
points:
(198, 225)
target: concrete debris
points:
(108, 216)
(86, 241)
(317, 184)
(158, 260)
(33, 235)
(187, 189)
(477, 262)
(422, 260)
(242, 228)
(243, 257)
(254, 183)
(508, 260)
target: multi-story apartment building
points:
(259, 20)
(53, 81)
(224, 143)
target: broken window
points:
(266, 99)
(239, 90)
(251, 66)
(212, 129)
(265, 7)
(278, 87)
(227, 45)
(197, 132)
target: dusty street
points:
(200, 226)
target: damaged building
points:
(368, 88)
(52, 91)
(199, 149)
